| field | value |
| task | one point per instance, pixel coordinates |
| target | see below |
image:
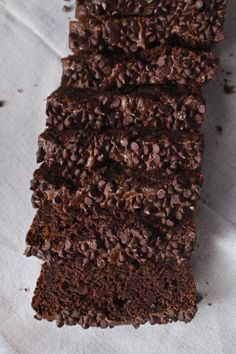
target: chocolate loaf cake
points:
(164, 199)
(160, 292)
(120, 173)
(106, 239)
(124, 8)
(131, 34)
(158, 108)
(158, 66)
(135, 149)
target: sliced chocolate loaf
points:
(106, 239)
(124, 8)
(92, 297)
(154, 108)
(166, 200)
(135, 149)
(158, 66)
(132, 34)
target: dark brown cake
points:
(106, 239)
(121, 164)
(167, 200)
(92, 297)
(130, 34)
(157, 108)
(124, 8)
(135, 149)
(158, 66)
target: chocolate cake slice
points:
(131, 34)
(92, 297)
(166, 200)
(156, 108)
(135, 149)
(158, 66)
(106, 239)
(124, 8)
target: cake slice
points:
(134, 149)
(106, 239)
(166, 200)
(131, 34)
(92, 297)
(154, 108)
(158, 66)
(124, 8)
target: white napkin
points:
(33, 35)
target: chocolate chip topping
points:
(122, 191)
(76, 151)
(96, 112)
(182, 67)
(131, 34)
(113, 239)
(124, 8)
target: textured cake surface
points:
(158, 66)
(158, 293)
(156, 108)
(167, 200)
(135, 149)
(106, 239)
(123, 8)
(132, 34)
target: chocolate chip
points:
(219, 129)
(181, 115)
(88, 201)
(155, 149)
(228, 89)
(161, 194)
(67, 8)
(134, 146)
(199, 4)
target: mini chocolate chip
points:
(67, 8)
(47, 245)
(161, 194)
(155, 149)
(199, 4)
(169, 223)
(134, 146)
(88, 201)
(68, 245)
(57, 200)
(101, 263)
(202, 109)
(181, 115)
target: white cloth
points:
(33, 35)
